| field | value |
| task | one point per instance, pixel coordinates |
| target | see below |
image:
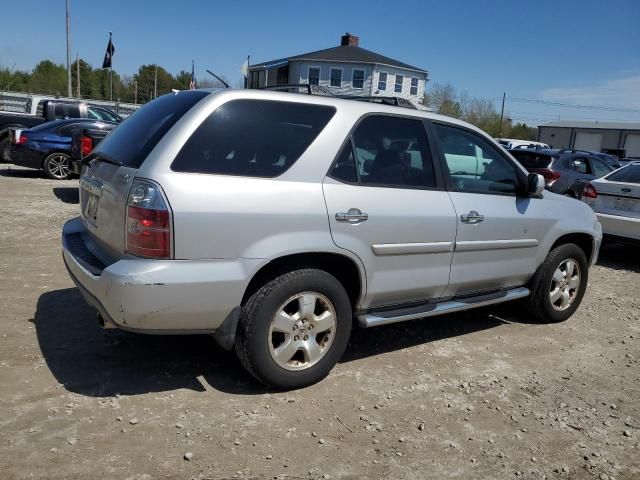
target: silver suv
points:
(272, 220)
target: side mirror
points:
(535, 184)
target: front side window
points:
(382, 81)
(253, 138)
(314, 76)
(474, 165)
(336, 77)
(389, 152)
(399, 82)
(580, 165)
(357, 80)
(414, 86)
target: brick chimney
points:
(348, 40)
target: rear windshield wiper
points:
(101, 158)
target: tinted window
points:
(254, 138)
(389, 151)
(628, 174)
(532, 159)
(70, 129)
(599, 168)
(475, 165)
(142, 130)
(66, 110)
(344, 169)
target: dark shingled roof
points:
(343, 53)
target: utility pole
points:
(69, 90)
(501, 115)
(135, 92)
(155, 83)
(78, 72)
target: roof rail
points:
(311, 89)
(396, 101)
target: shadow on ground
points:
(99, 363)
(67, 194)
(620, 256)
(8, 171)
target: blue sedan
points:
(48, 146)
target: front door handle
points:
(354, 215)
(471, 217)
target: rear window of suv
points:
(141, 131)
(253, 138)
(532, 159)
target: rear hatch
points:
(619, 192)
(104, 188)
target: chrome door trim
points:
(475, 245)
(411, 248)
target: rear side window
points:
(66, 110)
(141, 131)
(253, 138)
(532, 159)
(628, 174)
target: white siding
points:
(299, 71)
(406, 84)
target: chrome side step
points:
(432, 309)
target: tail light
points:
(148, 221)
(550, 176)
(19, 138)
(590, 192)
(86, 145)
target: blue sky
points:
(572, 51)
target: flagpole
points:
(246, 78)
(69, 89)
(110, 70)
(78, 72)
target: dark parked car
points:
(565, 171)
(84, 141)
(48, 146)
(40, 110)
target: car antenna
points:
(226, 85)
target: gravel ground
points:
(479, 395)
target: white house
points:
(347, 70)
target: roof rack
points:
(324, 91)
(311, 89)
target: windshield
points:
(131, 144)
(628, 174)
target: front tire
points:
(294, 329)
(57, 166)
(559, 284)
(5, 156)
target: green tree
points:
(48, 77)
(146, 81)
(443, 99)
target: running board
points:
(375, 319)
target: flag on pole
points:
(106, 63)
(192, 83)
(244, 70)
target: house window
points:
(399, 81)
(357, 79)
(382, 81)
(314, 76)
(336, 77)
(414, 86)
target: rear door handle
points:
(354, 215)
(471, 217)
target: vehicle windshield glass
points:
(532, 159)
(628, 174)
(145, 127)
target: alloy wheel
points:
(59, 166)
(564, 284)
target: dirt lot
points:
(480, 395)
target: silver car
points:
(272, 220)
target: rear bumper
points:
(619, 226)
(156, 296)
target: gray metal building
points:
(619, 138)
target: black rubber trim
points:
(76, 246)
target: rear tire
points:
(559, 284)
(5, 157)
(57, 166)
(294, 329)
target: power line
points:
(569, 105)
